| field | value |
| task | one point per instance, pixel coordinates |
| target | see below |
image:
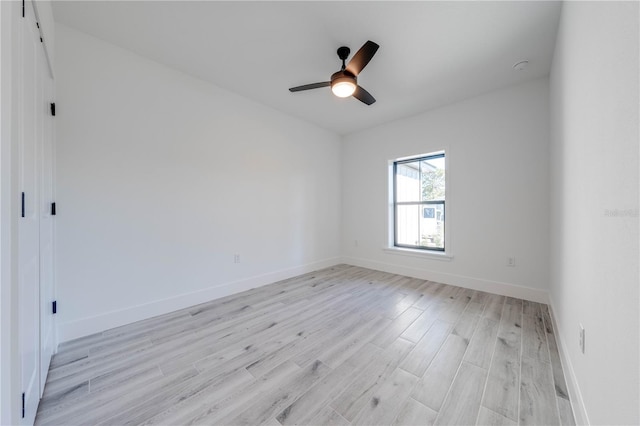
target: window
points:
(419, 202)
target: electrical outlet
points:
(581, 337)
(511, 261)
(236, 258)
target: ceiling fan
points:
(344, 83)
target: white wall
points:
(162, 178)
(594, 206)
(497, 146)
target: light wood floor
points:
(338, 346)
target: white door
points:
(31, 112)
(46, 225)
(35, 158)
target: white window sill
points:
(424, 254)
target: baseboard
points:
(91, 325)
(575, 396)
(496, 287)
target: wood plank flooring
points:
(343, 345)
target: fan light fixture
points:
(344, 83)
(343, 87)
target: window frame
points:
(393, 247)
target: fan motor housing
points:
(343, 75)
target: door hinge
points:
(23, 409)
(53, 109)
(53, 209)
(23, 207)
(54, 306)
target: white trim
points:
(10, 380)
(430, 254)
(575, 395)
(43, 40)
(85, 326)
(496, 287)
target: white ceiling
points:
(431, 53)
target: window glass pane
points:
(408, 181)
(419, 202)
(432, 179)
(432, 226)
(408, 225)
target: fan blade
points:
(363, 96)
(362, 57)
(310, 86)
